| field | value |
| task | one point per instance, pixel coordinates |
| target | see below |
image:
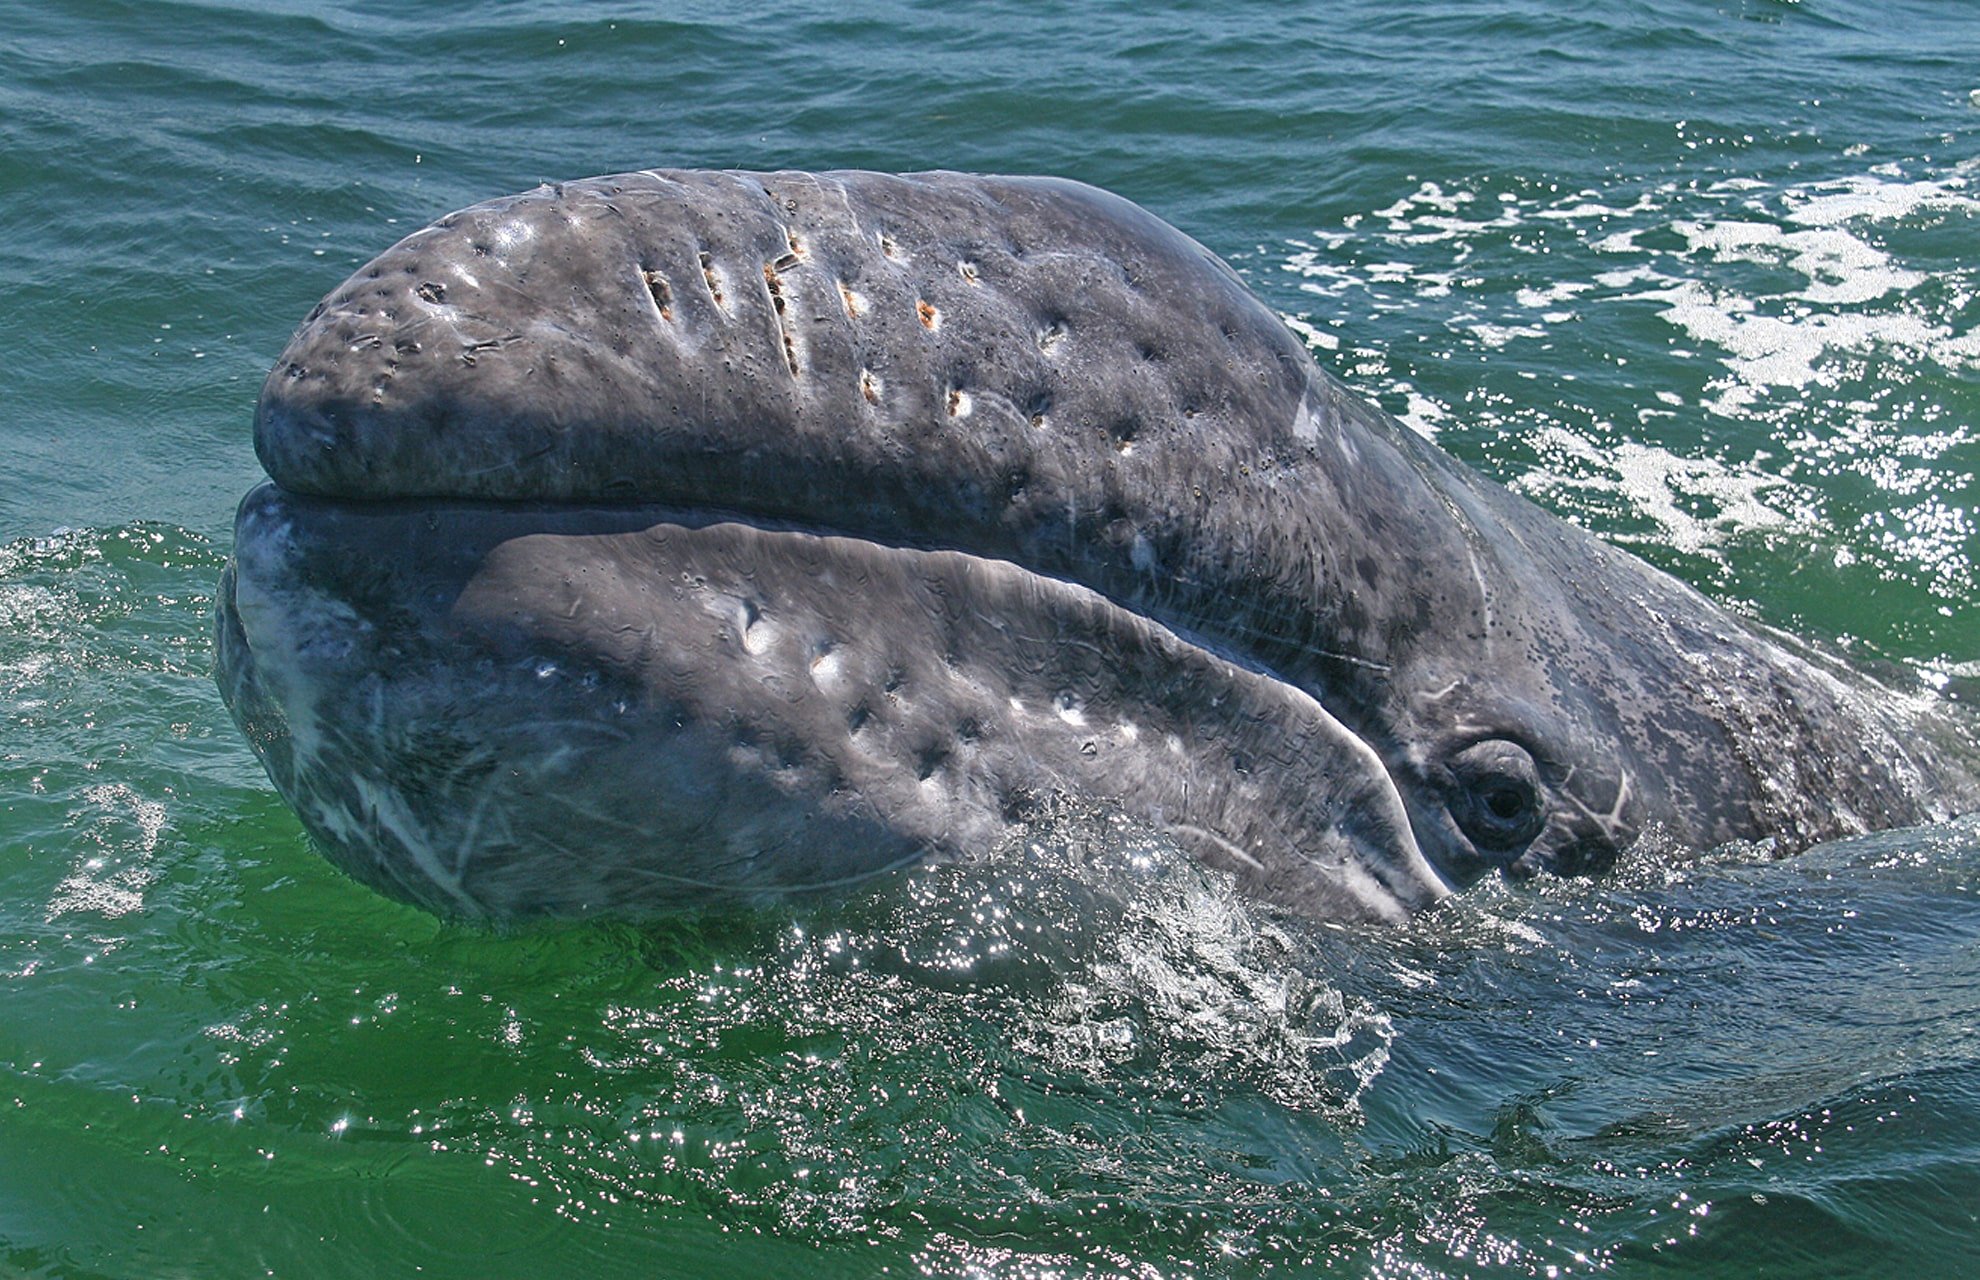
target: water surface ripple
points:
(1698, 275)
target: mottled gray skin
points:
(680, 536)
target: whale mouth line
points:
(580, 516)
(576, 516)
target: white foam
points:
(1564, 291)
(1668, 488)
(1794, 351)
(1498, 335)
(1875, 196)
(110, 876)
(1311, 334)
(1430, 195)
(1423, 414)
(1586, 209)
(1840, 267)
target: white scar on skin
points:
(1612, 824)
(392, 815)
(1484, 597)
(1192, 832)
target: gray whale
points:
(673, 538)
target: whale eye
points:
(1496, 801)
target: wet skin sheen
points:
(677, 537)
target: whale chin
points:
(500, 711)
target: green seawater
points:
(1704, 277)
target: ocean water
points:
(1701, 276)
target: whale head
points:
(679, 537)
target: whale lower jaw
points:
(502, 711)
